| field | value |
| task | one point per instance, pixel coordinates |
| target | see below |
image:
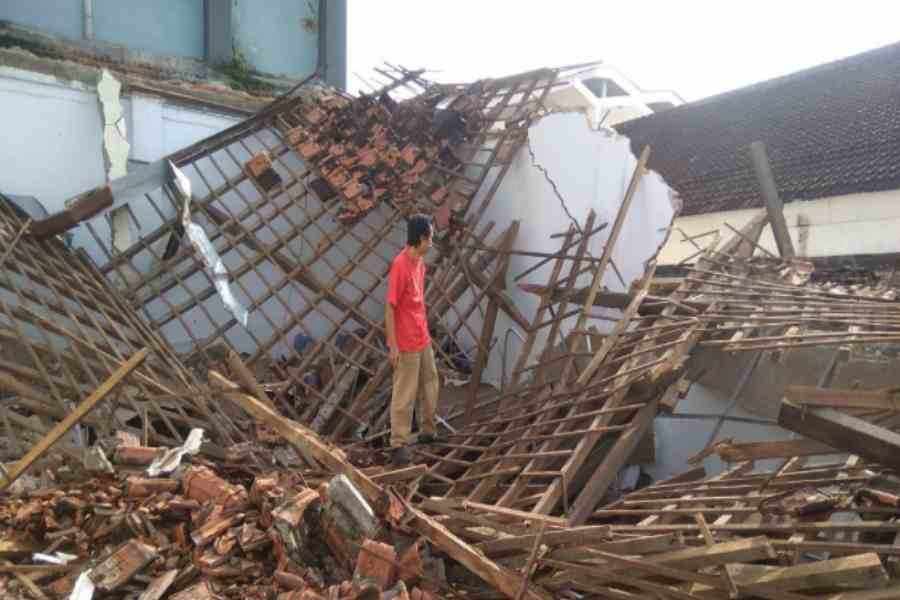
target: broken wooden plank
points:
(732, 452)
(300, 437)
(82, 208)
(61, 428)
(122, 565)
(576, 536)
(501, 579)
(606, 256)
(883, 399)
(397, 475)
(159, 586)
(863, 570)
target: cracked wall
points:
(115, 132)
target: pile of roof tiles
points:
(372, 149)
(206, 531)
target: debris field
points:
(159, 445)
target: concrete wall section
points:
(54, 138)
(591, 170)
(336, 43)
(170, 28)
(837, 226)
(58, 134)
(679, 439)
(273, 37)
(62, 17)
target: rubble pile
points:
(209, 531)
(236, 474)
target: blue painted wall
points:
(270, 33)
(62, 17)
(170, 28)
(272, 37)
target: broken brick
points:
(137, 455)
(309, 150)
(122, 565)
(252, 537)
(202, 485)
(289, 580)
(213, 529)
(296, 135)
(411, 567)
(315, 115)
(409, 154)
(199, 591)
(140, 487)
(377, 562)
(265, 489)
(259, 164)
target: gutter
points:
(322, 48)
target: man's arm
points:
(390, 333)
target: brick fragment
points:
(122, 565)
(376, 562)
(136, 455)
(199, 591)
(140, 487)
(202, 485)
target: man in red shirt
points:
(409, 341)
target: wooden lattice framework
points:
(301, 268)
(63, 331)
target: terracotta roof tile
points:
(830, 130)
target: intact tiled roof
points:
(830, 130)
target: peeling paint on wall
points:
(115, 133)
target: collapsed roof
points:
(250, 307)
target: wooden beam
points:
(82, 208)
(576, 536)
(606, 256)
(61, 428)
(503, 580)
(883, 399)
(862, 570)
(301, 438)
(490, 319)
(849, 434)
(769, 192)
(729, 451)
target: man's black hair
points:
(417, 227)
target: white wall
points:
(591, 170)
(52, 137)
(840, 225)
(54, 133)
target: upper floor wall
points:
(279, 38)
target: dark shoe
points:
(400, 457)
(431, 438)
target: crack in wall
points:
(115, 151)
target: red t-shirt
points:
(406, 293)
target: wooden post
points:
(74, 417)
(490, 320)
(774, 207)
(606, 257)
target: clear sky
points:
(695, 47)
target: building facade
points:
(95, 88)
(608, 97)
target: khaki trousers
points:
(415, 375)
